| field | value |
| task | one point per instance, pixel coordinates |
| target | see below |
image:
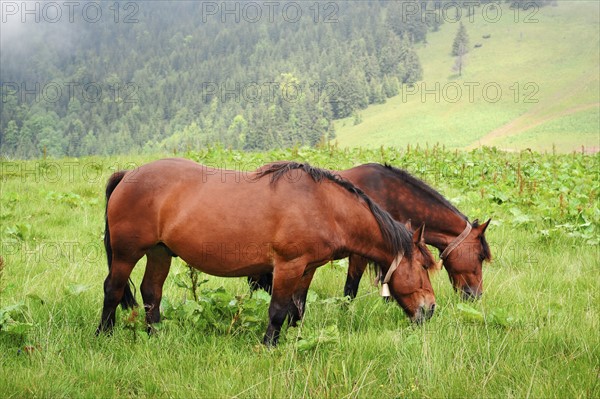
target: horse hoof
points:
(269, 343)
(103, 330)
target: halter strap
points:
(457, 241)
(392, 268)
(385, 290)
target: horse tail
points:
(128, 300)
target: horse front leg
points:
(286, 277)
(356, 267)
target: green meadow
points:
(532, 83)
(533, 334)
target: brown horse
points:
(232, 224)
(462, 244)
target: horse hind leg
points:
(298, 304)
(286, 277)
(114, 288)
(261, 281)
(157, 269)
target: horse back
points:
(220, 219)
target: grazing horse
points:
(462, 244)
(231, 224)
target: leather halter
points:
(385, 290)
(457, 241)
(392, 268)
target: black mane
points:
(486, 254)
(394, 233)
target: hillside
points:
(552, 62)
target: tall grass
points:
(533, 334)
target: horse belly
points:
(230, 238)
(229, 258)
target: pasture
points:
(534, 333)
(533, 82)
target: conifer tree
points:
(461, 40)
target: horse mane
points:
(487, 254)
(394, 233)
(422, 186)
(426, 253)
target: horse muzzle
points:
(468, 293)
(424, 313)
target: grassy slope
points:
(550, 289)
(559, 54)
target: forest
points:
(142, 76)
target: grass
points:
(547, 72)
(544, 278)
(559, 133)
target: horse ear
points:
(408, 225)
(419, 234)
(484, 226)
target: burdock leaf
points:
(470, 312)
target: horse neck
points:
(363, 236)
(442, 223)
(406, 200)
(371, 248)
(444, 228)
